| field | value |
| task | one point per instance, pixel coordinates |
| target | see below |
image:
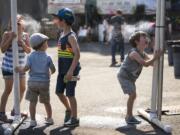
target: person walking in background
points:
(68, 65)
(7, 63)
(117, 40)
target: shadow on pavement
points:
(43, 129)
(61, 131)
(144, 131)
(33, 131)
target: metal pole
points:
(156, 100)
(156, 63)
(166, 128)
(17, 118)
(15, 58)
(161, 64)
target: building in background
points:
(76, 5)
(37, 9)
(89, 12)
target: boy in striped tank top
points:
(68, 65)
(7, 63)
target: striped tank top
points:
(65, 54)
(7, 63)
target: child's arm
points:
(135, 56)
(25, 44)
(75, 47)
(22, 69)
(7, 41)
(146, 56)
(25, 68)
(52, 67)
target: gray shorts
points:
(128, 86)
(38, 89)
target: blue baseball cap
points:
(65, 14)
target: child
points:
(40, 68)
(69, 66)
(131, 69)
(7, 63)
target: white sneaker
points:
(49, 121)
(33, 123)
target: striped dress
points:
(7, 63)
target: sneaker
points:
(3, 118)
(24, 114)
(49, 121)
(67, 116)
(113, 64)
(73, 122)
(33, 123)
(132, 120)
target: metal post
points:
(161, 63)
(17, 119)
(156, 63)
(15, 58)
(156, 100)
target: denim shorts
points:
(70, 86)
(128, 86)
(9, 75)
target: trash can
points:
(170, 52)
(176, 60)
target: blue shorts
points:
(9, 75)
(70, 86)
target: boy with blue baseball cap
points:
(68, 65)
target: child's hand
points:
(158, 53)
(12, 35)
(21, 42)
(69, 75)
(17, 69)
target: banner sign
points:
(127, 6)
(76, 5)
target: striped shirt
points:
(7, 62)
(65, 54)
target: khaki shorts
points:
(38, 89)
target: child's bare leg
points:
(5, 95)
(22, 90)
(22, 87)
(73, 104)
(48, 110)
(65, 102)
(130, 104)
(32, 110)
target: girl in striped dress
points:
(7, 63)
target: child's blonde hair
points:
(136, 37)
